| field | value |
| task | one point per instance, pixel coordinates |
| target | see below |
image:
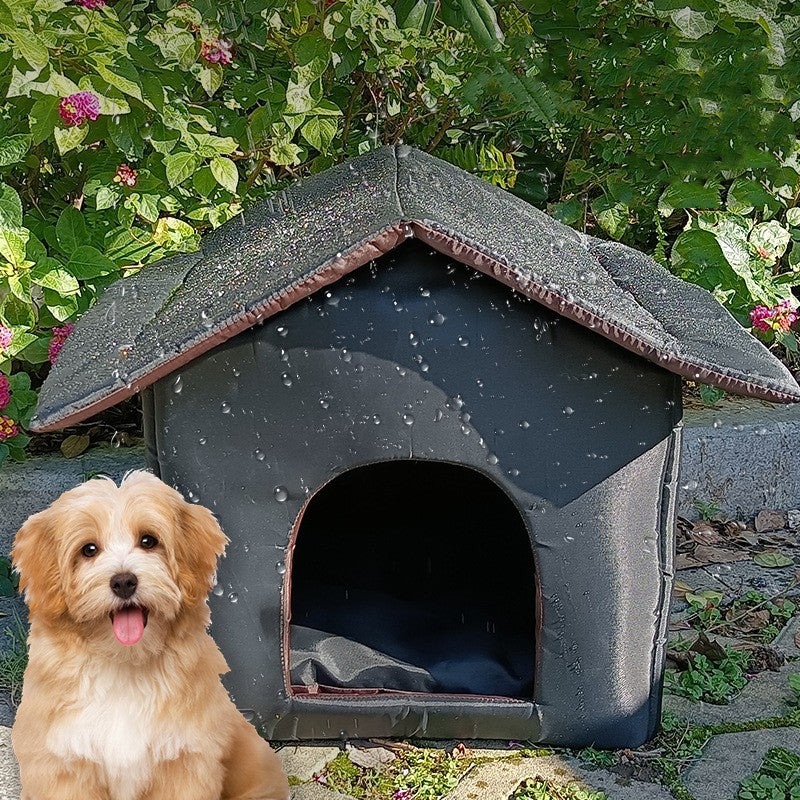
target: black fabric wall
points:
(415, 358)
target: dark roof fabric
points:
(148, 325)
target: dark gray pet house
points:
(441, 431)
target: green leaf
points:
(692, 24)
(69, 138)
(480, 19)
(121, 74)
(43, 118)
(71, 230)
(86, 262)
(49, 274)
(20, 341)
(319, 132)
(10, 207)
(772, 560)
(62, 307)
(179, 167)
(6, 587)
(31, 48)
(12, 244)
(771, 237)
(13, 148)
(225, 173)
(37, 351)
(204, 182)
(106, 197)
(124, 132)
(570, 212)
(685, 194)
(793, 217)
(211, 78)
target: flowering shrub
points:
(129, 129)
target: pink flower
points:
(5, 391)
(8, 428)
(216, 51)
(91, 3)
(6, 335)
(126, 176)
(778, 318)
(402, 794)
(57, 342)
(75, 109)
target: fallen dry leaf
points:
(712, 650)
(74, 445)
(679, 589)
(717, 555)
(770, 520)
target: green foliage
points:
(423, 774)
(710, 681)
(778, 778)
(537, 789)
(9, 581)
(598, 758)
(668, 126)
(13, 660)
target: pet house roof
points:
(281, 250)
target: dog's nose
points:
(124, 584)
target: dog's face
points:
(111, 560)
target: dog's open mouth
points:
(129, 624)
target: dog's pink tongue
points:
(129, 625)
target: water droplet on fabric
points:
(280, 568)
(282, 330)
(437, 319)
(205, 318)
(226, 408)
(233, 597)
(524, 424)
(286, 379)
(177, 385)
(346, 355)
(281, 494)
(463, 341)
(568, 411)
(202, 440)
(408, 419)
(492, 459)
(218, 591)
(412, 337)
(259, 455)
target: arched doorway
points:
(412, 576)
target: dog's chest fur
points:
(115, 722)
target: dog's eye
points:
(148, 542)
(90, 550)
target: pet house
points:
(442, 433)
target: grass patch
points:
(418, 774)
(711, 681)
(777, 779)
(537, 789)
(14, 661)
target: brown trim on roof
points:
(385, 241)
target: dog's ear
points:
(198, 545)
(35, 557)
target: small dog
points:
(122, 698)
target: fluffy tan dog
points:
(122, 698)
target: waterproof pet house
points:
(441, 431)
